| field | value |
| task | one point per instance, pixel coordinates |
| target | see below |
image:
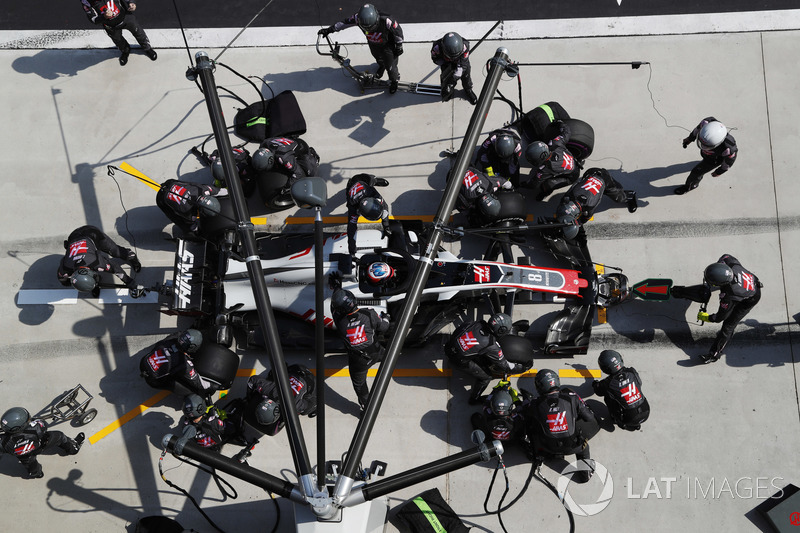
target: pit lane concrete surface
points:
(721, 438)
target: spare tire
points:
(581, 139)
(517, 349)
(217, 363)
(536, 121)
(212, 227)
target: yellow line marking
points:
(130, 415)
(127, 168)
(329, 372)
(602, 315)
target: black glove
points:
(381, 182)
(596, 386)
(686, 142)
(398, 50)
(386, 316)
(325, 32)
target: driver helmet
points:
(379, 272)
(711, 135)
(368, 18)
(344, 301)
(718, 274)
(190, 340)
(452, 46)
(194, 405)
(504, 146)
(263, 159)
(546, 381)
(209, 206)
(537, 153)
(268, 412)
(610, 362)
(15, 419)
(489, 205)
(501, 403)
(500, 324)
(84, 279)
(370, 208)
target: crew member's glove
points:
(398, 50)
(596, 386)
(131, 7)
(381, 182)
(507, 185)
(385, 316)
(703, 316)
(715, 174)
(325, 31)
(137, 292)
(686, 142)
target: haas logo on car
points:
(482, 273)
(183, 291)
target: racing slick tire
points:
(212, 227)
(217, 363)
(512, 206)
(536, 121)
(581, 139)
(270, 184)
(517, 350)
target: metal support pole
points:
(247, 473)
(319, 324)
(204, 70)
(345, 481)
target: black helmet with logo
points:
(343, 301)
(15, 419)
(452, 45)
(194, 405)
(717, 274)
(368, 18)
(84, 279)
(610, 361)
(546, 381)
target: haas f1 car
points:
(211, 282)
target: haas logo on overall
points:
(296, 385)
(356, 336)
(748, 281)
(78, 249)
(177, 194)
(631, 393)
(467, 341)
(156, 360)
(470, 178)
(557, 422)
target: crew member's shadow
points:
(54, 64)
(636, 319)
(642, 180)
(41, 274)
(368, 114)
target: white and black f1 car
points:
(211, 282)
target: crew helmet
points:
(217, 171)
(378, 272)
(190, 340)
(194, 405)
(537, 153)
(452, 45)
(501, 403)
(489, 205)
(610, 361)
(370, 208)
(500, 324)
(711, 135)
(84, 279)
(15, 419)
(209, 206)
(504, 146)
(263, 159)
(568, 209)
(717, 274)
(344, 301)
(546, 381)
(268, 412)
(368, 18)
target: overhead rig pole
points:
(204, 70)
(344, 483)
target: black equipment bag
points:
(158, 524)
(428, 513)
(282, 117)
